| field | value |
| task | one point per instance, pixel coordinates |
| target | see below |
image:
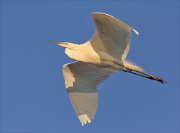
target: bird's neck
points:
(76, 52)
(72, 51)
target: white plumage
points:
(97, 59)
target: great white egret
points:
(97, 59)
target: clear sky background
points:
(33, 95)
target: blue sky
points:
(33, 95)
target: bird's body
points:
(96, 59)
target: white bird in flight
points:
(96, 59)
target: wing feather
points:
(112, 36)
(81, 80)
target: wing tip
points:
(135, 31)
(84, 119)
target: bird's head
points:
(64, 44)
(70, 48)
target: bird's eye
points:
(69, 49)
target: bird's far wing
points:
(112, 36)
(81, 80)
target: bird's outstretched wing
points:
(81, 80)
(112, 36)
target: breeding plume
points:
(96, 59)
